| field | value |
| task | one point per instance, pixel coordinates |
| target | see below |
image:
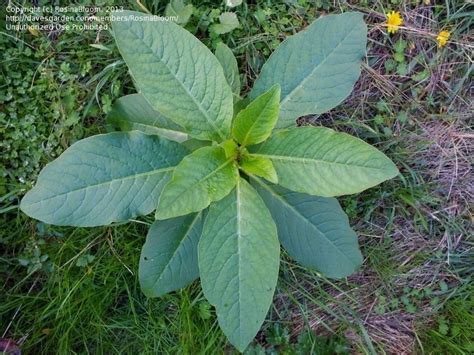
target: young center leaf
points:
(169, 256)
(259, 166)
(316, 68)
(314, 230)
(133, 112)
(231, 69)
(176, 73)
(204, 176)
(322, 162)
(103, 179)
(239, 257)
(255, 123)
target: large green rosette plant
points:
(229, 179)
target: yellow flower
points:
(442, 38)
(394, 20)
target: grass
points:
(452, 330)
(75, 290)
(73, 304)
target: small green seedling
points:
(229, 178)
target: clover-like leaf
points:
(179, 9)
(233, 3)
(228, 22)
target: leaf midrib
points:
(312, 161)
(301, 84)
(201, 109)
(220, 167)
(185, 237)
(180, 134)
(239, 235)
(199, 182)
(256, 120)
(278, 197)
(136, 176)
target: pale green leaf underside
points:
(177, 74)
(314, 230)
(204, 176)
(239, 256)
(233, 3)
(228, 22)
(322, 162)
(231, 69)
(103, 179)
(316, 68)
(255, 123)
(180, 10)
(168, 261)
(133, 112)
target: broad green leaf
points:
(314, 230)
(204, 176)
(316, 68)
(239, 256)
(259, 166)
(179, 9)
(103, 179)
(176, 73)
(240, 104)
(228, 22)
(133, 112)
(194, 144)
(231, 69)
(255, 123)
(169, 256)
(322, 162)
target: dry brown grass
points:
(446, 160)
(438, 146)
(394, 331)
